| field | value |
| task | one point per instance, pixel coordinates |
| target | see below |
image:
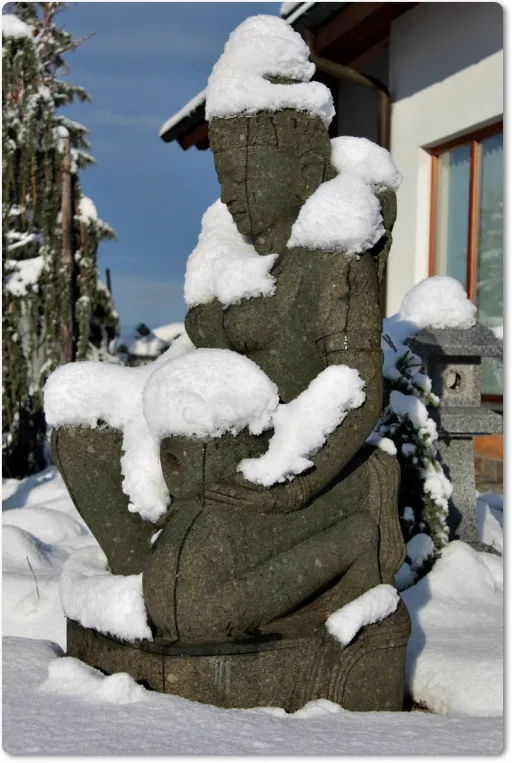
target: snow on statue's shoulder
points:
(369, 161)
(224, 265)
(206, 393)
(12, 26)
(343, 214)
(438, 302)
(262, 47)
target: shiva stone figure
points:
(242, 578)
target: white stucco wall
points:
(445, 79)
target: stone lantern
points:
(453, 360)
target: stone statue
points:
(243, 573)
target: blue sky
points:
(144, 63)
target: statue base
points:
(270, 671)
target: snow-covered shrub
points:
(425, 490)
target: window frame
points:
(472, 139)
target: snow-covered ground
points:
(61, 706)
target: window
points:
(466, 240)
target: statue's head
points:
(268, 165)
(268, 128)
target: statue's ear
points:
(387, 200)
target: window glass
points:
(489, 265)
(452, 213)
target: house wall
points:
(445, 79)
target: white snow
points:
(366, 160)
(286, 8)
(343, 214)
(408, 406)
(12, 26)
(263, 46)
(301, 426)
(82, 394)
(455, 666)
(40, 525)
(139, 346)
(455, 653)
(489, 514)
(94, 597)
(38, 722)
(169, 332)
(384, 443)
(26, 273)
(438, 302)
(70, 677)
(186, 111)
(208, 392)
(224, 265)
(371, 607)
(419, 549)
(87, 211)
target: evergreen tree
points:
(43, 296)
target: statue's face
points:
(267, 166)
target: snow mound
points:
(438, 302)
(208, 392)
(111, 604)
(260, 47)
(12, 26)
(366, 160)
(74, 678)
(455, 652)
(343, 214)
(43, 723)
(301, 427)
(224, 265)
(489, 514)
(371, 607)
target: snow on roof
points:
(12, 26)
(223, 265)
(286, 8)
(169, 332)
(438, 302)
(187, 109)
(26, 274)
(261, 47)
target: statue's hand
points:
(246, 496)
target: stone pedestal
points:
(278, 671)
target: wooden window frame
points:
(472, 139)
